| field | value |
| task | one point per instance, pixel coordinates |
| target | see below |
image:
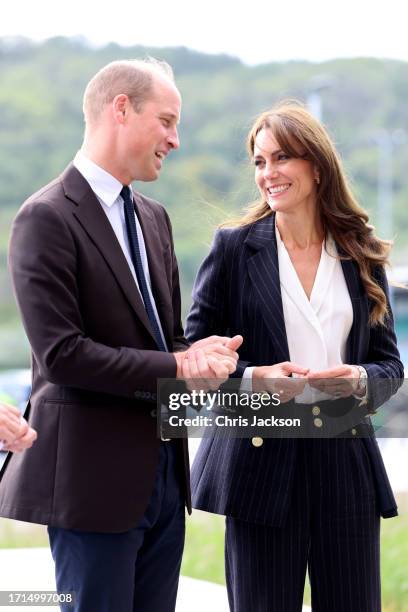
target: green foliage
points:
(203, 556)
(15, 534)
(209, 178)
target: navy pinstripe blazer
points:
(237, 291)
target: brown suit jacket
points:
(94, 360)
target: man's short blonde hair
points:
(131, 77)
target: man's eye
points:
(165, 122)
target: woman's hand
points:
(340, 381)
(277, 379)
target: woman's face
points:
(286, 183)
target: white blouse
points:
(316, 329)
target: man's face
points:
(149, 135)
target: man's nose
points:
(173, 139)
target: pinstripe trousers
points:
(332, 529)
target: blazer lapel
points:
(263, 270)
(359, 331)
(157, 265)
(90, 215)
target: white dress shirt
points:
(107, 189)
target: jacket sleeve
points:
(179, 341)
(43, 264)
(210, 311)
(384, 367)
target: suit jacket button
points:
(354, 431)
(137, 394)
(153, 412)
(257, 441)
(315, 410)
(318, 422)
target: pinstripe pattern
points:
(266, 566)
(237, 290)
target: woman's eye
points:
(258, 162)
(283, 157)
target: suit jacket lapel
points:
(359, 331)
(157, 266)
(263, 270)
(91, 216)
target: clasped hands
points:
(208, 362)
(15, 433)
(289, 379)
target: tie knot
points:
(126, 194)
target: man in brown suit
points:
(97, 284)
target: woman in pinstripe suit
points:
(301, 278)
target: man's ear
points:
(120, 107)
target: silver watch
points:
(362, 381)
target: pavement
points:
(32, 569)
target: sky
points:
(257, 32)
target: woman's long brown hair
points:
(295, 130)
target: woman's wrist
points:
(259, 371)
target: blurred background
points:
(362, 102)
(229, 65)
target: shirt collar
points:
(103, 184)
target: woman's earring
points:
(317, 179)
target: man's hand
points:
(340, 381)
(220, 347)
(265, 378)
(15, 433)
(208, 362)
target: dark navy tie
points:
(137, 263)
